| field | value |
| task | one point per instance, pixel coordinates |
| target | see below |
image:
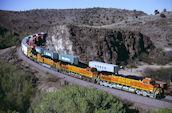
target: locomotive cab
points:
(150, 83)
(93, 71)
(152, 86)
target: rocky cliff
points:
(107, 45)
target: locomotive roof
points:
(107, 73)
(125, 76)
(134, 77)
(102, 63)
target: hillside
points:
(42, 20)
(154, 26)
(96, 24)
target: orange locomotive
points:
(62, 66)
(80, 72)
(139, 85)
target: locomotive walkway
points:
(126, 96)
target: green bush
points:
(156, 12)
(16, 89)
(162, 74)
(163, 110)
(8, 38)
(131, 65)
(76, 99)
(162, 15)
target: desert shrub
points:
(145, 58)
(162, 15)
(164, 10)
(163, 110)
(131, 65)
(163, 58)
(16, 89)
(156, 12)
(76, 99)
(162, 74)
(7, 38)
(158, 57)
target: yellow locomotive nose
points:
(159, 92)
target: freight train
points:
(96, 72)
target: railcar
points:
(79, 71)
(25, 47)
(32, 42)
(32, 54)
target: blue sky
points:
(147, 6)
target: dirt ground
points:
(138, 71)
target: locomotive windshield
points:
(93, 70)
(153, 83)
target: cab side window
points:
(145, 82)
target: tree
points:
(162, 15)
(8, 38)
(76, 99)
(16, 89)
(164, 10)
(156, 12)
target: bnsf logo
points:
(66, 59)
(48, 54)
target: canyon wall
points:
(106, 45)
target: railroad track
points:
(166, 102)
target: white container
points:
(100, 66)
(25, 46)
(39, 49)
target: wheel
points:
(138, 92)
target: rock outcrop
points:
(107, 45)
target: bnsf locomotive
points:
(97, 72)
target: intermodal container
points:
(69, 58)
(39, 49)
(51, 54)
(100, 66)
